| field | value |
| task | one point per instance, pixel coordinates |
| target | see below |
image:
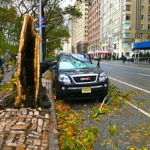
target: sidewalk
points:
(28, 128)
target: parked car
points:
(77, 78)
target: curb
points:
(53, 135)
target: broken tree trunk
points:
(30, 92)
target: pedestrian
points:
(16, 59)
(123, 58)
(117, 57)
(1, 66)
(7, 59)
(1, 62)
(99, 59)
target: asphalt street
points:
(133, 118)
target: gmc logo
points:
(85, 79)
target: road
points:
(136, 75)
(133, 118)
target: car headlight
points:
(102, 77)
(64, 78)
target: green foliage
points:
(73, 11)
(54, 38)
(7, 16)
(116, 97)
(11, 23)
(71, 135)
(9, 29)
(112, 129)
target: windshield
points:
(81, 57)
(73, 63)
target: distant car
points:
(131, 59)
(95, 58)
(77, 78)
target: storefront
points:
(141, 51)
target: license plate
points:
(86, 90)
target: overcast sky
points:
(65, 3)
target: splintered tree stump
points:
(30, 92)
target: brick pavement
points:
(28, 128)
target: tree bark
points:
(28, 80)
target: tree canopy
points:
(13, 11)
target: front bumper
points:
(75, 92)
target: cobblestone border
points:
(53, 134)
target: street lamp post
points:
(40, 29)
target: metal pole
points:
(40, 29)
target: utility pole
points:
(40, 29)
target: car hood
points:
(82, 71)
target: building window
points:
(142, 8)
(125, 45)
(127, 26)
(148, 26)
(127, 17)
(126, 35)
(128, 7)
(148, 17)
(142, 26)
(142, 36)
(115, 30)
(149, 10)
(116, 22)
(142, 17)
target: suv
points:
(77, 78)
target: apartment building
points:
(112, 25)
(94, 19)
(127, 23)
(79, 28)
(66, 43)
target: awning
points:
(141, 45)
(104, 52)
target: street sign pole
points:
(40, 29)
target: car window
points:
(66, 65)
(73, 63)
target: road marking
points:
(127, 66)
(144, 74)
(109, 67)
(130, 85)
(139, 109)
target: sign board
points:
(43, 24)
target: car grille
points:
(82, 79)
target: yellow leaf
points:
(132, 148)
